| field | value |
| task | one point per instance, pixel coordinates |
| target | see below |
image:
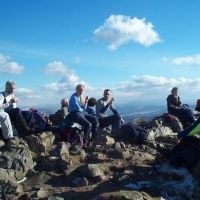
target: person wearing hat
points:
(183, 112)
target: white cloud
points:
(120, 29)
(68, 81)
(151, 83)
(56, 67)
(188, 60)
(24, 93)
(9, 67)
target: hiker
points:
(64, 106)
(77, 106)
(9, 105)
(186, 152)
(91, 106)
(60, 114)
(183, 112)
(102, 107)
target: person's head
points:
(79, 89)
(174, 91)
(64, 102)
(92, 102)
(106, 94)
(10, 87)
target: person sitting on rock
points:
(77, 105)
(183, 112)
(60, 114)
(102, 107)
(91, 106)
(8, 102)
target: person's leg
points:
(113, 120)
(95, 124)
(6, 126)
(79, 117)
(19, 122)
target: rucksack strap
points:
(3, 93)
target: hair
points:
(9, 83)
(92, 102)
(173, 89)
(63, 102)
(79, 86)
(106, 90)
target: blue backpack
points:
(36, 120)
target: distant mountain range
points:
(128, 112)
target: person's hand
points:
(111, 101)
(14, 100)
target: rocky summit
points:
(41, 166)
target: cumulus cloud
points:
(56, 67)
(120, 29)
(68, 81)
(188, 60)
(147, 82)
(7, 66)
(25, 93)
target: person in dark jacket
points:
(183, 112)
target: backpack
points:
(133, 134)
(186, 153)
(70, 132)
(36, 120)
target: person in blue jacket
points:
(77, 106)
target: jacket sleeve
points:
(191, 130)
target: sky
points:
(139, 49)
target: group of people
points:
(89, 113)
(92, 114)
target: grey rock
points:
(41, 142)
(80, 182)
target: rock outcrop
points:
(41, 167)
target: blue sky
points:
(139, 49)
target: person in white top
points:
(8, 104)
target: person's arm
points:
(191, 130)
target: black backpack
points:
(133, 134)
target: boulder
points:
(165, 120)
(159, 132)
(51, 163)
(94, 171)
(9, 187)
(124, 194)
(17, 157)
(62, 151)
(41, 142)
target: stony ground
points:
(42, 167)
